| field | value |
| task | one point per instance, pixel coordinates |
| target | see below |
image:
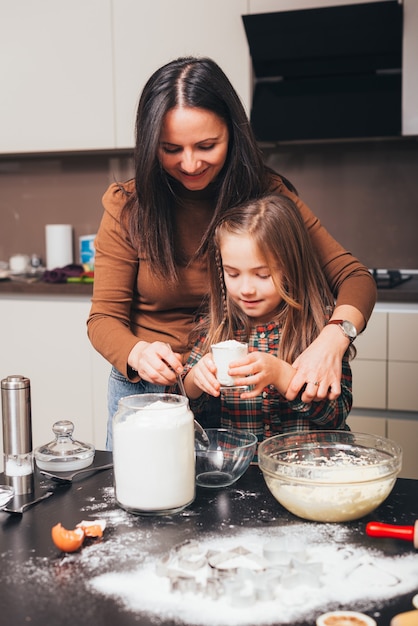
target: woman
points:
(267, 289)
(195, 157)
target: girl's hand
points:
(260, 369)
(155, 362)
(202, 377)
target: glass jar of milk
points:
(154, 454)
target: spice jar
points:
(153, 454)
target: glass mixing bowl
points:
(226, 458)
(329, 476)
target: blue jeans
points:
(118, 388)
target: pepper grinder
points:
(17, 433)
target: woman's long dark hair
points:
(148, 214)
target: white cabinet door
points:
(150, 34)
(403, 386)
(369, 384)
(402, 431)
(370, 365)
(372, 343)
(403, 362)
(405, 433)
(365, 424)
(56, 75)
(403, 337)
(46, 340)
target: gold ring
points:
(316, 383)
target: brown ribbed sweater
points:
(129, 304)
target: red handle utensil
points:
(409, 533)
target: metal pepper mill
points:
(17, 433)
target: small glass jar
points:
(153, 454)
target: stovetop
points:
(387, 279)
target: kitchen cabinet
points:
(403, 361)
(405, 432)
(74, 71)
(170, 29)
(385, 370)
(370, 365)
(385, 375)
(409, 47)
(364, 424)
(392, 426)
(402, 386)
(56, 76)
(150, 34)
(45, 339)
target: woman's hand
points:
(260, 369)
(202, 377)
(155, 362)
(319, 366)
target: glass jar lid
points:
(64, 453)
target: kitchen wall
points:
(366, 194)
(50, 190)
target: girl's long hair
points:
(148, 214)
(277, 228)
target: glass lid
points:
(64, 453)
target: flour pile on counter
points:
(288, 573)
(261, 577)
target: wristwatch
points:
(348, 328)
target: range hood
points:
(328, 73)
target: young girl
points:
(267, 289)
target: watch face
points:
(349, 329)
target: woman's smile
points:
(194, 176)
(193, 146)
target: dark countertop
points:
(40, 585)
(406, 292)
(39, 288)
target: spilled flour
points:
(315, 574)
(310, 568)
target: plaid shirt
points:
(271, 413)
